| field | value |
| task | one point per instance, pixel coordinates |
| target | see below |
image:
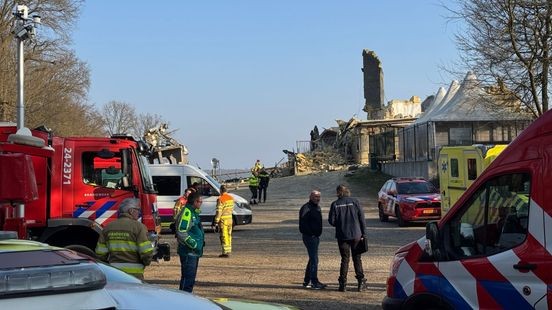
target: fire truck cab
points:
(493, 249)
(80, 183)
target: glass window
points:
(472, 169)
(494, 220)
(145, 172)
(454, 167)
(385, 187)
(203, 186)
(460, 136)
(167, 185)
(102, 171)
(416, 188)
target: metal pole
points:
(20, 85)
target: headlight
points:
(243, 205)
(47, 280)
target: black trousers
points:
(346, 249)
(262, 193)
(253, 190)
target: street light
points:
(215, 164)
(24, 29)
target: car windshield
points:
(410, 188)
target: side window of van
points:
(204, 187)
(167, 185)
(494, 220)
(472, 168)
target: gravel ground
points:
(268, 256)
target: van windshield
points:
(212, 180)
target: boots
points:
(342, 286)
(362, 285)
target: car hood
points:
(422, 197)
(238, 199)
(146, 296)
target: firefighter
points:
(253, 187)
(223, 221)
(124, 243)
(181, 202)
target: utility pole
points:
(24, 29)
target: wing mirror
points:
(433, 241)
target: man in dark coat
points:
(347, 216)
(310, 225)
(264, 177)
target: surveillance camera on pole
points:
(24, 29)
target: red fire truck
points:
(62, 191)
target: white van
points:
(171, 180)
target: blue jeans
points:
(188, 271)
(311, 271)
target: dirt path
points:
(269, 258)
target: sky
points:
(244, 80)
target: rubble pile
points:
(320, 160)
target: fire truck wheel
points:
(81, 249)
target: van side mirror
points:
(433, 241)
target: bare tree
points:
(119, 117)
(147, 121)
(56, 81)
(508, 42)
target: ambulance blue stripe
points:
(442, 287)
(505, 295)
(105, 207)
(398, 291)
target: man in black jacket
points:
(347, 216)
(310, 225)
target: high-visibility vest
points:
(180, 202)
(225, 207)
(253, 181)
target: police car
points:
(35, 275)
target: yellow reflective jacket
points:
(225, 207)
(253, 181)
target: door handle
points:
(525, 267)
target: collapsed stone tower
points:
(373, 84)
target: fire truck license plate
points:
(429, 211)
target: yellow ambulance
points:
(458, 168)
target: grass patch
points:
(369, 180)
